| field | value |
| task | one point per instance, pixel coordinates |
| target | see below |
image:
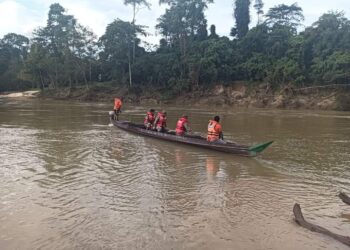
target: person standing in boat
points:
(117, 107)
(182, 126)
(160, 121)
(149, 119)
(215, 131)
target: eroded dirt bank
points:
(332, 97)
(329, 97)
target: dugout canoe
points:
(193, 140)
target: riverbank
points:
(329, 97)
(30, 94)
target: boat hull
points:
(198, 141)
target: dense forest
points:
(190, 55)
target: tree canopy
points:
(242, 18)
(276, 50)
(285, 16)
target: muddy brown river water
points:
(70, 181)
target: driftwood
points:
(344, 198)
(299, 218)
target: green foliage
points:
(137, 2)
(256, 67)
(13, 53)
(285, 15)
(64, 53)
(326, 44)
(157, 69)
(285, 71)
(213, 32)
(183, 21)
(117, 44)
(242, 18)
(335, 68)
(216, 60)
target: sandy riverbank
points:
(31, 93)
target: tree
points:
(136, 5)
(330, 33)
(213, 32)
(83, 48)
(183, 25)
(17, 42)
(116, 46)
(326, 47)
(283, 15)
(37, 64)
(66, 48)
(333, 69)
(13, 53)
(55, 37)
(241, 14)
(182, 21)
(259, 5)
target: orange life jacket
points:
(149, 118)
(161, 123)
(180, 126)
(117, 103)
(214, 130)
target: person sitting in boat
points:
(160, 122)
(117, 107)
(215, 131)
(182, 126)
(149, 119)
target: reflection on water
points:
(70, 181)
(212, 165)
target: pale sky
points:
(23, 16)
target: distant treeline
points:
(66, 54)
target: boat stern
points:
(255, 150)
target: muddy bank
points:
(331, 97)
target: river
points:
(68, 180)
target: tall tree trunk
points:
(56, 73)
(83, 72)
(134, 40)
(90, 72)
(130, 80)
(41, 80)
(85, 80)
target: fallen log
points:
(299, 218)
(344, 198)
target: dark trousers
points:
(116, 114)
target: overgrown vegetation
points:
(275, 50)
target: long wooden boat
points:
(194, 140)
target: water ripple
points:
(69, 181)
